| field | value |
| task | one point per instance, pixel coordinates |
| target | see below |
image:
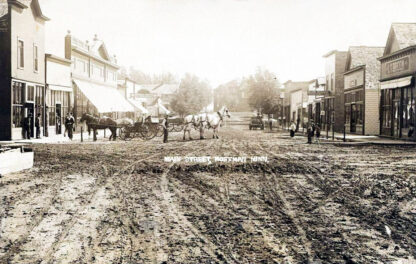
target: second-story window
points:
(20, 54)
(35, 58)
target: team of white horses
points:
(205, 121)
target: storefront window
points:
(360, 114)
(347, 114)
(386, 108)
(18, 101)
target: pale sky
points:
(221, 40)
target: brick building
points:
(361, 90)
(334, 85)
(397, 83)
(22, 66)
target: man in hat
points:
(37, 125)
(165, 128)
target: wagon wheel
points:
(125, 134)
(178, 128)
(159, 130)
(171, 127)
(147, 133)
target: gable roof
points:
(403, 33)
(23, 4)
(166, 89)
(362, 55)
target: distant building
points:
(334, 85)
(295, 102)
(127, 89)
(398, 88)
(94, 78)
(22, 66)
(316, 94)
(361, 90)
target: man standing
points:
(165, 129)
(69, 124)
(37, 125)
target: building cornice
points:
(410, 48)
(57, 59)
(89, 54)
(354, 69)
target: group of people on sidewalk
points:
(312, 131)
(27, 127)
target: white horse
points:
(213, 120)
(190, 121)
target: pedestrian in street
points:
(292, 129)
(270, 124)
(165, 129)
(317, 133)
(69, 124)
(37, 125)
(309, 132)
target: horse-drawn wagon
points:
(145, 129)
(175, 124)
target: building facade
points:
(334, 85)
(361, 90)
(59, 95)
(295, 103)
(22, 66)
(397, 83)
(94, 79)
(316, 93)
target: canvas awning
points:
(138, 105)
(162, 109)
(105, 99)
(59, 88)
(396, 83)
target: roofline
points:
(354, 69)
(17, 3)
(363, 46)
(57, 58)
(332, 52)
(87, 53)
(396, 52)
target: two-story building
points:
(334, 84)
(397, 83)
(361, 90)
(94, 78)
(22, 66)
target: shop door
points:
(353, 118)
(396, 118)
(31, 113)
(58, 117)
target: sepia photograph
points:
(208, 131)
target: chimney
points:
(68, 45)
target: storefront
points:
(398, 108)
(28, 101)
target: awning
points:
(59, 88)
(105, 99)
(163, 109)
(396, 83)
(138, 105)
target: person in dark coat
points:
(37, 125)
(165, 129)
(317, 133)
(26, 127)
(310, 134)
(292, 129)
(69, 124)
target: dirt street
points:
(121, 202)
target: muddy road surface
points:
(122, 202)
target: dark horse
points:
(96, 123)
